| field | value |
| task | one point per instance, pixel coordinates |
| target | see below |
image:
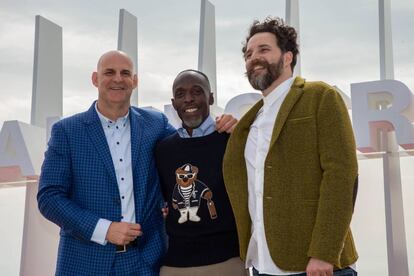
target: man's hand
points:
(319, 268)
(225, 123)
(208, 195)
(121, 233)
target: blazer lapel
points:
(243, 127)
(292, 97)
(235, 151)
(137, 128)
(98, 139)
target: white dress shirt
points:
(255, 153)
(118, 137)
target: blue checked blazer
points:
(78, 186)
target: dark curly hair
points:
(285, 35)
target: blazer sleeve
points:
(168, 129)
(55, 186)
(337, 151)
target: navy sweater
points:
(190, 172)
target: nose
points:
(188, 97)
(254, 54)
(117, 77)
(252, 59)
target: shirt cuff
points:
(99, 234)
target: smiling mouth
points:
(117, 88)
(190, 110)
(255, 70)
(258, 67)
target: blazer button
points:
(268, 166)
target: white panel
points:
(292, 19)
(40, 239)
(128, 42)
(367, 117)
(47, 72)
(207, 45)
(22, 145)
(240, 104)
(378, 110)
(394, 212)
(385, 33)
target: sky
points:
(338, 44)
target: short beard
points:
(195, 123)
(263, 81)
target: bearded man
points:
(290, 166)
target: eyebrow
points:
(264, 46)
(260, 46)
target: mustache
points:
(255, 63)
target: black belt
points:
(335, 270)
(125, 247)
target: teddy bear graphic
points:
(188, 192)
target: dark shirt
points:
(208, 239)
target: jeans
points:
(341, 272)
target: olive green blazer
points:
(309, 179)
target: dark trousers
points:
(129, 263)
(341, 272)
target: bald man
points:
(99, 183)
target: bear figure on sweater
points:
(188, 192)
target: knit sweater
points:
(191, 180)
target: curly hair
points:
(285, 35)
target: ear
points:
(135, 81)
(95, 79)
(211, 99)
(287, 58)
(194, 169)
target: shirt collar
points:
(206, 128)
(107, 123)
(278, 92)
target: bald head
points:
(114, 54)
(115, 81)
(193, 74)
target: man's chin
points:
(259, 72)
(193, 123)
(259, 85)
